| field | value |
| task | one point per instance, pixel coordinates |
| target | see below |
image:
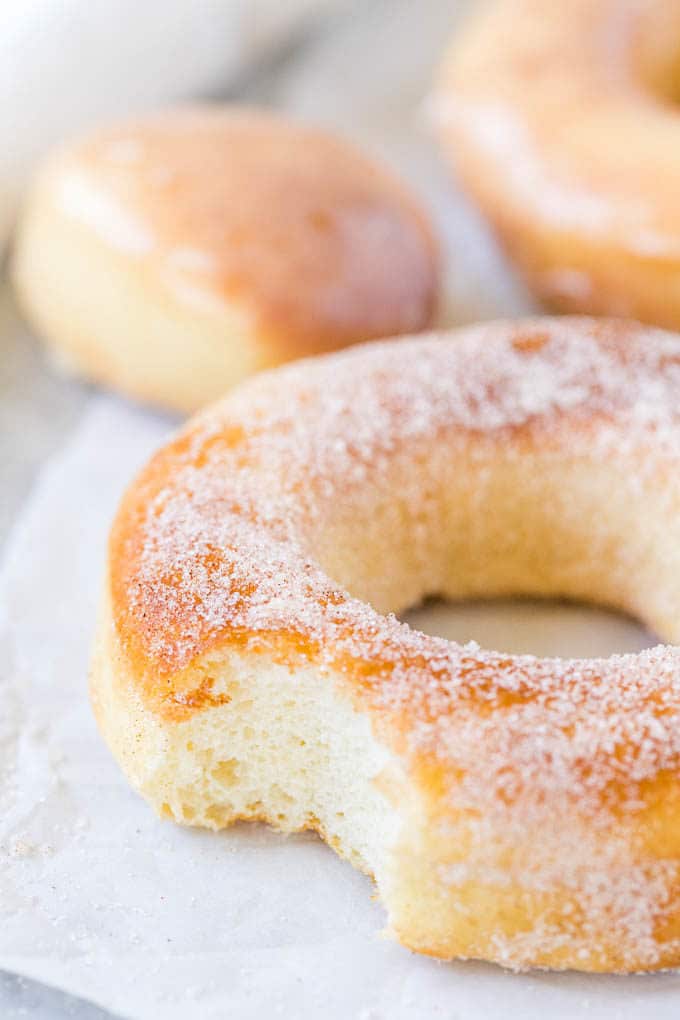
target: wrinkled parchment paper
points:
(151, 920)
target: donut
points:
(171, 256)
(248, 664)
(561, 121)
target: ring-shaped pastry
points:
(510, 808)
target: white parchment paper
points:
(151, 920)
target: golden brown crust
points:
(256, 226)
(561, 122)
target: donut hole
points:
(530, 627)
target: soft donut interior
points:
(286, 749)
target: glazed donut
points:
(509, 808)
(561, 121)
(171, 256)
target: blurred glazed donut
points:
(510, 808)
(562, 122)
(171, 256)
(60, 72)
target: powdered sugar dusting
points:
(223, 550)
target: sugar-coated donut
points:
(510, 808)
(171, 256)
(562, 122)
